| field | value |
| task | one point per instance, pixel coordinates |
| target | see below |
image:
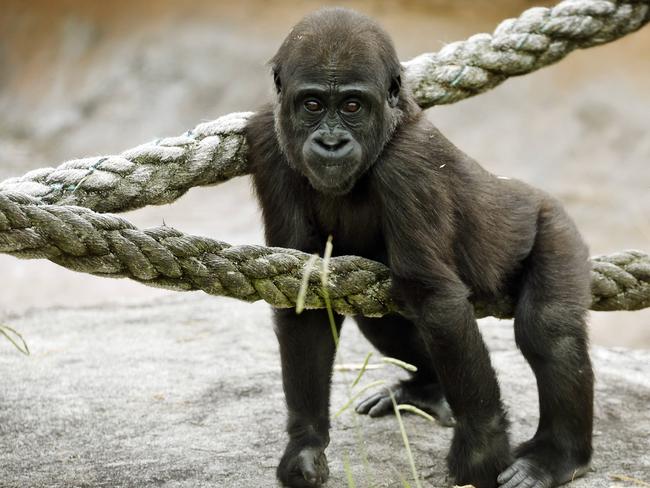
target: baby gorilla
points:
(345, 151)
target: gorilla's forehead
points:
(332, 76)
(347, 60)
(335, 75)
(336, 47)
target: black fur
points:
(387, 185)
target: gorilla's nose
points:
(332, 145)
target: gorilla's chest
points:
(354, 222)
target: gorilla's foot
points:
(525, 473)
(530, 473)
(303, 468)
(427, 397)
(480, 450)
(538, 466)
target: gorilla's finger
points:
(364, 406)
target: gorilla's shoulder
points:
(263, 147)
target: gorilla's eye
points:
(313, 105)
(351, 106)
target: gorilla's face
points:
(332, 123)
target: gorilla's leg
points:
(395, 336)
(550, 331)
(307, 352)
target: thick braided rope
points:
(153, 173)
(539, 37)
(161, 171)
(106, 245)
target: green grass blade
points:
(405, 407)
(304, 284)
(364, 366)
(348, 472)
(329, 247)
(347, 367)
(357, 394)
(324, 276)
(405, 440)
(8, 332)
(400, 363)
(405, 483)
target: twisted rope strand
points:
(537, 38)
(154, 173)
(106, 245)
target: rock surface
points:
(185, 392)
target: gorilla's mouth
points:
(333, 176)
(334, 163)
(336, 155)
(332, 171)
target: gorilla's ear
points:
(393, 91)
(276, 79)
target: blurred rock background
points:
(81, 78)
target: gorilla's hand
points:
(427, 397)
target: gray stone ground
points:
(185, 392)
